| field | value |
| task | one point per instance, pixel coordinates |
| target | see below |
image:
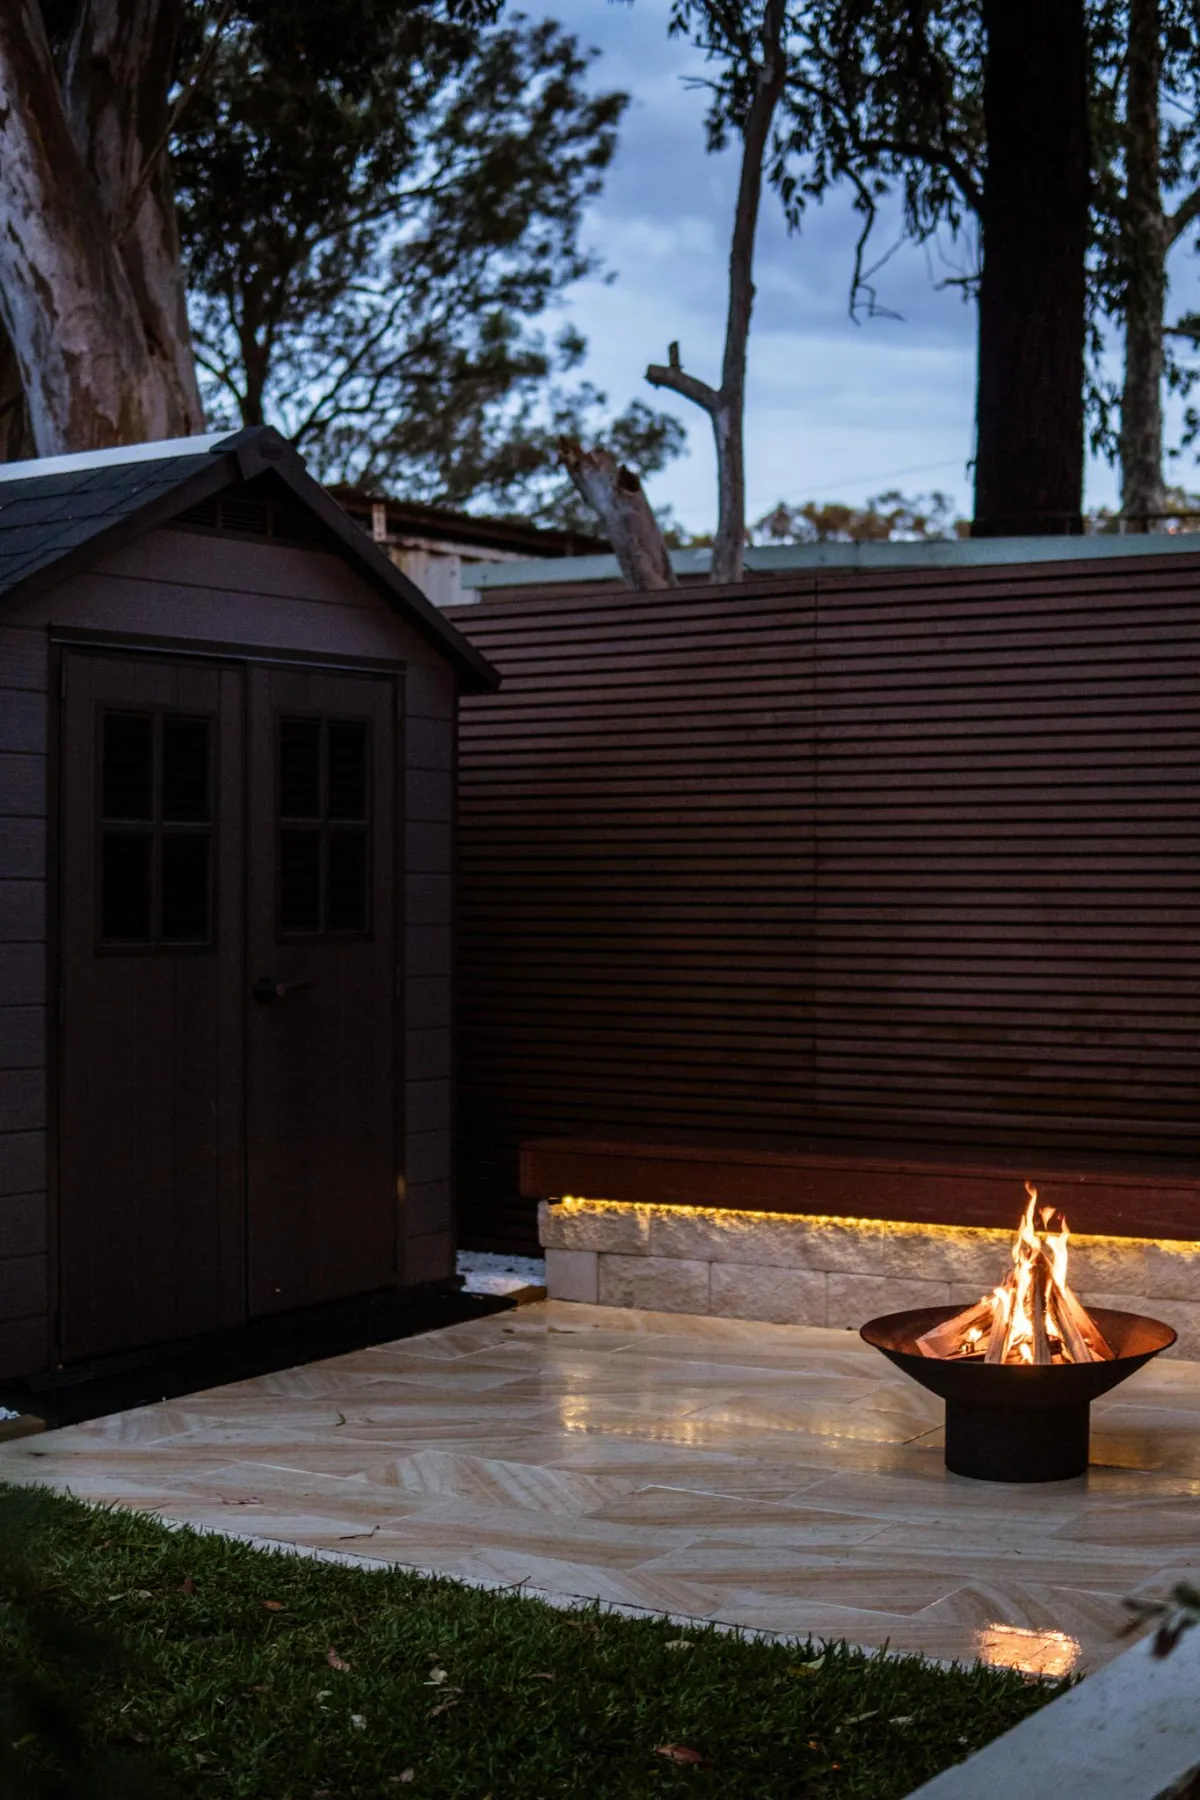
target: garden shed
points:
(227, 728)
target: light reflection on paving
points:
(778, 1478)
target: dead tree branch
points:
(725, 405)
(616, 495)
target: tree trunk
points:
(1034, 217)
(726, 405)
(90, 284)
(616, 495)
(16, 440)
(1143, 496)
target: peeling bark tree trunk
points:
(1029, 412)
(726, 405)
(16, 439)
(91, 287)
(1142, 492)
(616, 495)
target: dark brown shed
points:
(227, 728)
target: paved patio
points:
(778, 1477)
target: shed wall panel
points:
(907, 858)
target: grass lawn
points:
(190, 1665)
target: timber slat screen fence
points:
(906, 858)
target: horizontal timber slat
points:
(1150, 1202)
(903, 858)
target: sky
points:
(835, 410)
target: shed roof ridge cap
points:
(159, 450)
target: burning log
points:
(1032, 1316)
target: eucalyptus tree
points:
(976, 113)
(750, 46)
(1147, 107)
(368, 260)
(92, 292)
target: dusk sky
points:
(835, 410)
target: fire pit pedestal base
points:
(992, 1443)
(1007, 1422)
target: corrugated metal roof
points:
(769, 559)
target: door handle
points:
(266, 991)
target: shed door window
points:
(323, 826)
(156, 824)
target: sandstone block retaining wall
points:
(795, 1270)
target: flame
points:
(1032, 1316)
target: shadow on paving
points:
(69, 1396)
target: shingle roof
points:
(42, 517)
(62, 513)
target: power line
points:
(888, 475)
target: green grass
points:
(190, 1665)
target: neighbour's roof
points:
(58, 514)
(443, 524)
(692, 564)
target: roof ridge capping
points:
(161, 450)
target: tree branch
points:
(690, 386)
(182, 102)
(1185, 214)
(616, 495)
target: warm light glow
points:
(1030, 1652)
(899, 1227)
(1032, 1317)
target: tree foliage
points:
(371, 244)
(891, 517)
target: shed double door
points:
(227, 1082)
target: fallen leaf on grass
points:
(902, 1719)
(445, 1706)
(543, 1676)
(808, 1668)
(678, 1644)
(679, 1753)
(359, 1721)
(859, 1717)
(436, 1678)
(274, 1606)
(337, 1662)
(187, 1585)
(403, 1776)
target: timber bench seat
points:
(1116, 1196)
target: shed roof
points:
(59, 514)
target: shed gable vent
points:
(242, 513)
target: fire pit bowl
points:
(1009, 1422)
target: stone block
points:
(770, 1240)
(610, 1225)
(654, 1283)
(1173, 1271)
(1115, 1265)
(758, 1291)
(1182, 1315)
(853, 1299)
(977, 1258)
(572, 1275)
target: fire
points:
(1032, 1316)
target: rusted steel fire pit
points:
(1017, 1423)
(1019, 1369)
